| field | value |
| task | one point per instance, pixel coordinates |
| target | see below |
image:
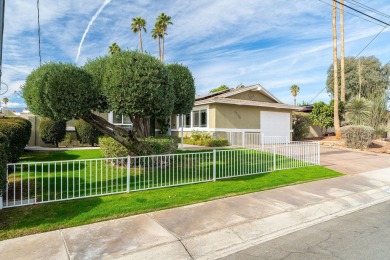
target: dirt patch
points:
(377, 146)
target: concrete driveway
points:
(351, 162)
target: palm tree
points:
(294, 92)
(335, 74)
(163, 21)
(5, 101)
(114, 48)
(358, 111)
(342, 54)
(137, 26)
(157, 34)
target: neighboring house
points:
(250, 109)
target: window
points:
(203, 118)
(195, 118)
(199, 118)
(187, 120)
(122, 120)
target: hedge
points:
(155, 145)
(86, 133)
(4, 146)
(111, 148)
(147, 146)
(18, 132)
(52, 132)
(357, 136)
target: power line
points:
(39, 36)
(365, 47)
(368, 8)
(358, 11)
(354, 14)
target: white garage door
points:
(275, 124)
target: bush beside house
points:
(301, 126)
(205, 139)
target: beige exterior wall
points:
(241, 117)
(253, 96)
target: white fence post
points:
(243, 139)
(318, 153)
(1, 202)
(128, 174)
(274, 158)
(214, 165)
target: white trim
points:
(70, 128)
(218, 130)
(279, 106)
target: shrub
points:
(218, 142)
(155, 145)
(4, 146)
(18, 132)
(52, 132)
(111, 148)
(301, 126)
(86, 133)
(68, 140)
(357, 136)
(205, 139)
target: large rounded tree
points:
(60, 91)
(128, 83)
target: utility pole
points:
(360, 78)
(342, 54)
(2, 5)
(335, 74)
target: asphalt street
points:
(364, 234)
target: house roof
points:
(225, 97)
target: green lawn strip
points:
(52, 181)
(39, 156)
(20, 221)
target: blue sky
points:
(272, 42)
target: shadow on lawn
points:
(43, 215)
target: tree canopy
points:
(127, 83)
(220, 88)
(374, 76)
(60, 91)
(322, 114)
(184, 87)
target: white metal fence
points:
(254, 140)
(41, 182)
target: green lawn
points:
(25, 220)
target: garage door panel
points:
(275, 123)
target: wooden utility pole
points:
(342, 54)
(2, 6)
(335, 74)
(360, 78)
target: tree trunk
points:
(335, 75)
(140, 39)
(159, 48)
(342, 54)
(163, 46)
(117, 133)
(295, 101)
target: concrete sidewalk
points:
(208, 230)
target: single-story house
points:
(250, 109)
